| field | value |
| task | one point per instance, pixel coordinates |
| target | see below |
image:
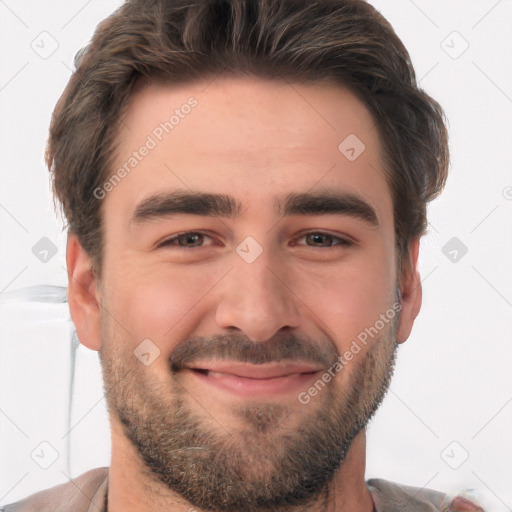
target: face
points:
(249, 311)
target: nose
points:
(257, 299)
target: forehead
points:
(258, 138)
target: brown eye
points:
(187, 240)
(321, 240)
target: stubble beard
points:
(269, 464)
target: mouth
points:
(248, 380)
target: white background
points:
(450, 403)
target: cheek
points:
(348, 299)
(159, 303)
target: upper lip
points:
(255, 371)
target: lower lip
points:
(249, 387)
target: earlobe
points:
(83, 297)
(411, 293)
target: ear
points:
(410, 287)
(83, 297)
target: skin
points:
(256, 140)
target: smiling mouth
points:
(248, 380)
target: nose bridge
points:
(255, 297)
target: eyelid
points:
(167, 241)
(345, 240)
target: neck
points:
(132, 489)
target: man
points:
(245, 184)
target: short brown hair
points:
(345, 41)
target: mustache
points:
(242, 349)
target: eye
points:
(324, 240)
(188, 240)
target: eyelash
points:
(169, 241)
(343, 242)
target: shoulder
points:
(77, 495)
(391, 497)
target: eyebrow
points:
(328, 202)
(186, 202)
(322, 202)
